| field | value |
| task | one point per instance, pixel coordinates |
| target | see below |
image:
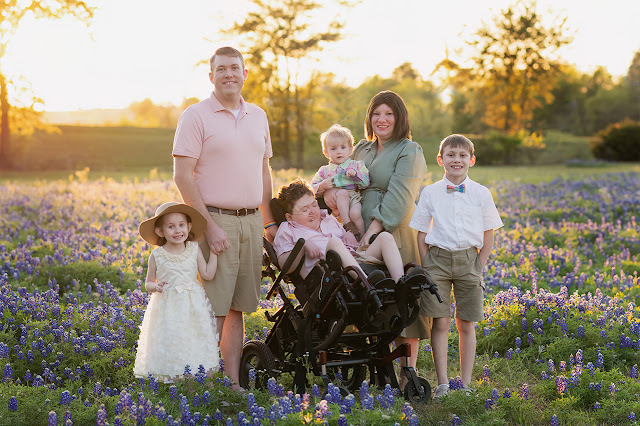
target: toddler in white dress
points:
(179, 327)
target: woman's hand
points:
(374, 228)
(331, 200)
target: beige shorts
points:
(354, 197)
(236, 284)
(461, 272)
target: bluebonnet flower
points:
(187, 370)
(634, 371)
(206, 397)
(554, 420)
(173, 392)
(495, 395)
(8, 372)
(455, 384)
(455, 421)
(315, 391)
(13, 403)
(218, 416)
(524, 391)
(597, 405)
(488, 404)
(562, 384)
(486, 372)
(342, 420)
(387, 399)
(632, 417)
(53, 419)
(65, 398)
(507, 393)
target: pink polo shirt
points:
(229, 151)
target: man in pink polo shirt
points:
(221, 154)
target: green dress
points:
(396, 175)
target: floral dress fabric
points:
(179, 326)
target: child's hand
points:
(324, 185)
(349, 239)
(160, 286)
(312, 250)
(350, 173)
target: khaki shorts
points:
(236, 284)
(420, 328)
(354, 196)
(461, 271)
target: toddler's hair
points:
(158, 224)
(336, 131)
(456, 141)
(288, 195)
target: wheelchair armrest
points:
(287, 265)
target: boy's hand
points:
(324, 185)
(350, 173)
(312, 250)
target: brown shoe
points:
(351, 227)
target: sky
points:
(137, 49)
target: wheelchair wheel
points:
(256, 355)
(351, 375)
(412, 394)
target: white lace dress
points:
(179, 326)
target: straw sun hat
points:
(148, 227)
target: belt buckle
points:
(241, 212)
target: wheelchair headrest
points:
(277, 211)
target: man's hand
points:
(217, 239)
(312, 250)
(270, 233)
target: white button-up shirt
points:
(457, 220)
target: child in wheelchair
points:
(322, 232)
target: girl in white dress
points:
(179, 327)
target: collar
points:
(465, 181)
(216, 106)
(344, 164)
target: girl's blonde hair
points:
(336, 131)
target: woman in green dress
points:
(396, 171)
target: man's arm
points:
(485, 251)
(183, 168)
(267, 195)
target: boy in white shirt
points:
(455, 219)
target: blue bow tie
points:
(451, 189)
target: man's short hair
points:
(226, 51)
(456, 141)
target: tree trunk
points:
(4, 122)
(299, 129)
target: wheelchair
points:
(341, 327)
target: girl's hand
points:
(350, 240)
(312, 250)
(160, 286)
(350, 173)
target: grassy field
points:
(134, 150)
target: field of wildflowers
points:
(559, 344)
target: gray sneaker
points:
(440, 391)
(468, 390)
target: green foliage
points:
(508, 149)
(618, 142)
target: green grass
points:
(133, 153)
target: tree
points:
(513, 66)
(279, 40)
(633, 80)
(12, 13)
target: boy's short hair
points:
(226, 51)
(336, 131)
(288, 195)
(456, 141)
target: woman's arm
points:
(207, 269)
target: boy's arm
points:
(485, 251)
(207, 269)
(423, 247)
